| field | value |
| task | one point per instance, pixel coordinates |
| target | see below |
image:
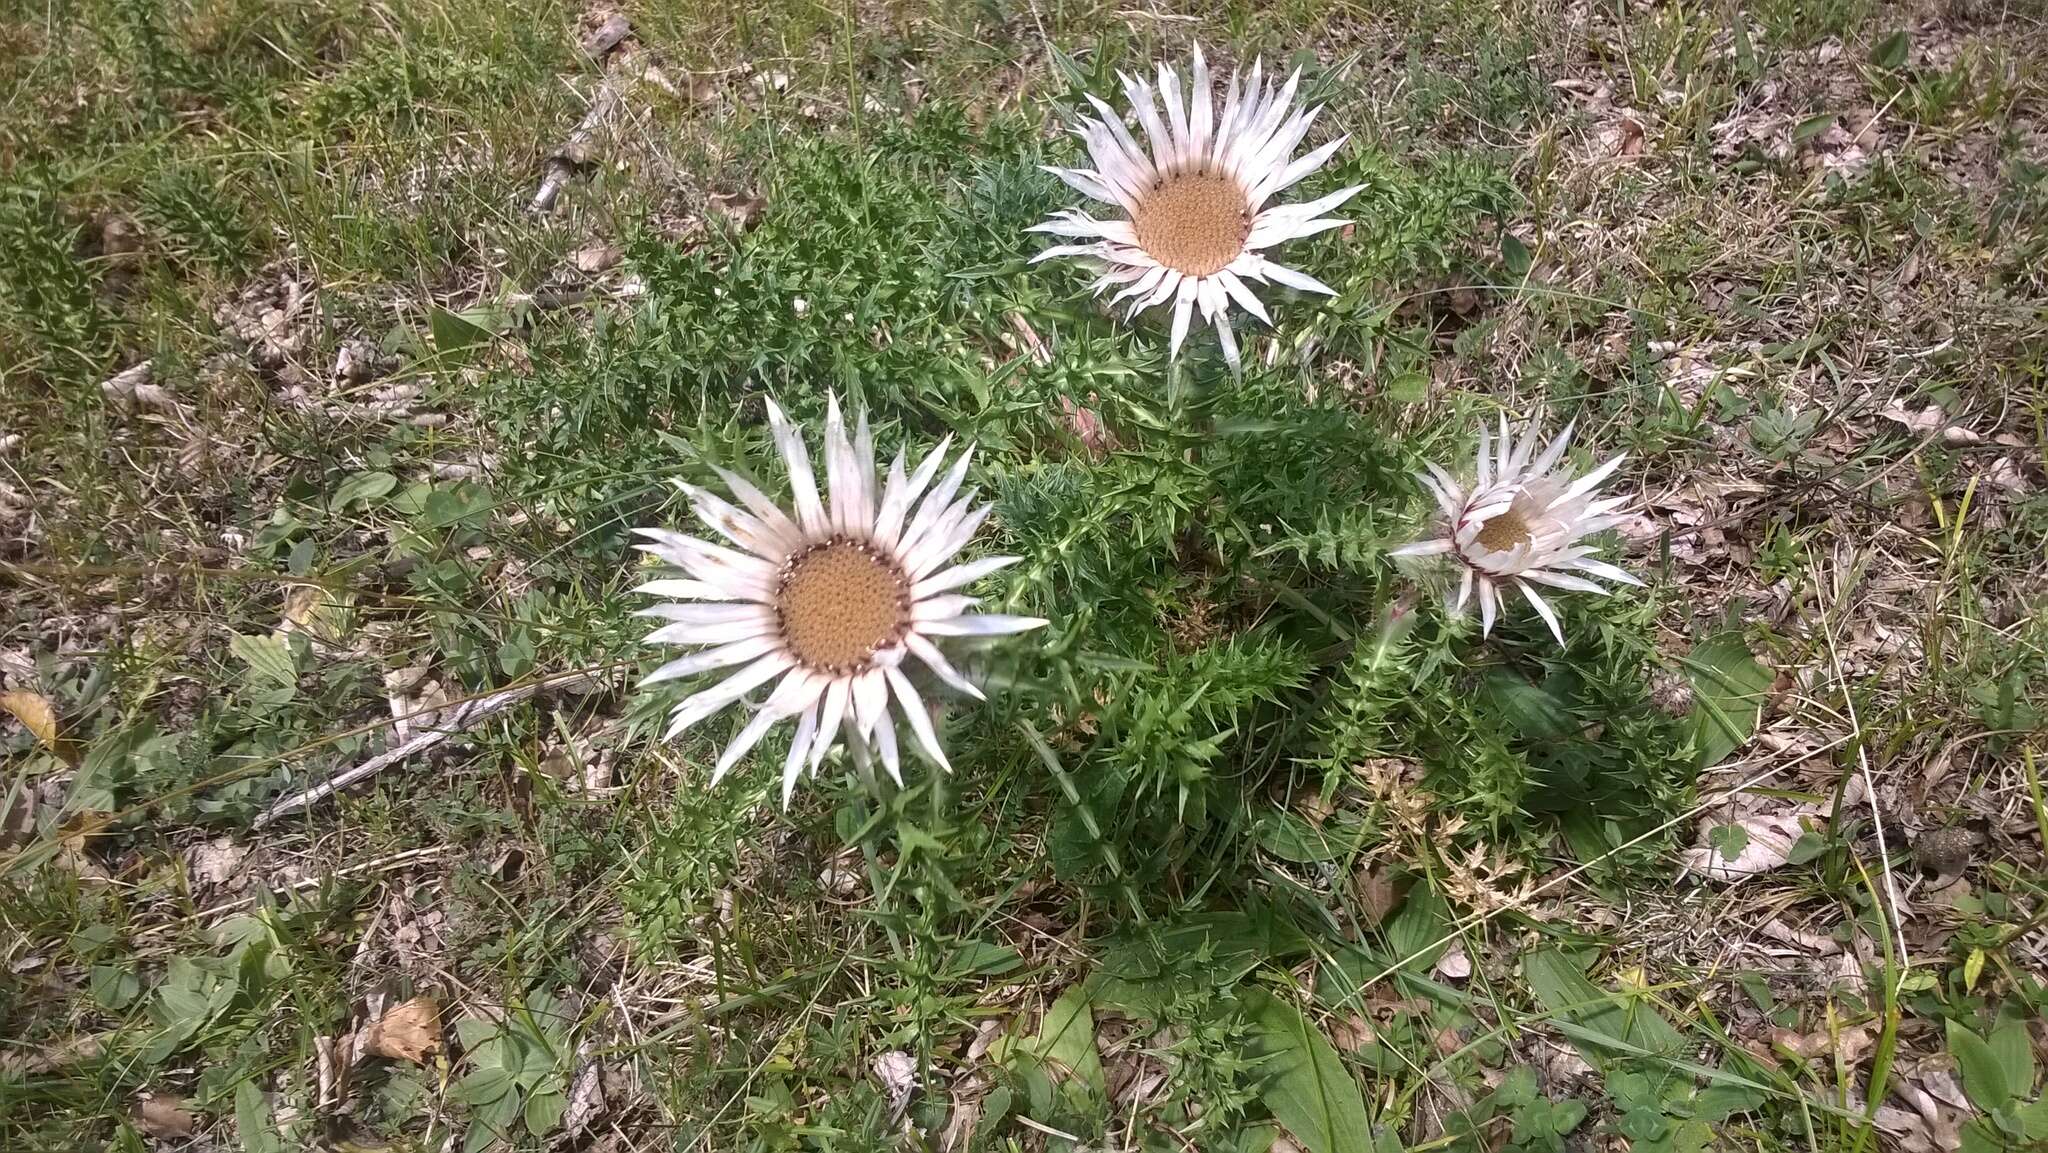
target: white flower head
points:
(1520, 522)
(829, 598)
(1196, 198)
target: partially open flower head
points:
(1196, 197)
(1520, 523)
(829, 596)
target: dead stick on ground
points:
(457, 719)
(380, 865)
(581, 147)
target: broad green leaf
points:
(253, 1120)
(1985, 1081)
(1728, 686)
(460, 503)
(1416, 931)
(1980, 1136)
(114, 986)
(1806, 848)
(1891, 52)
(491, 1123)
(456, 332)
(1730, 839)
(1813, 126)
(1307, 1087)
(2015, 1053)
(2033, 1119)
(1408, 388)
(482, 1086)
(1514, 255)
(1530, 708)
(365, 488)
(995, 1107)
(1571, 998)
(1066, 1038)
(544, 1111)
(983, 958)
(1291, 838)
(473, 1032)
(268, 656)
(1567, 1115)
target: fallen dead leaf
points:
(586, 1093)
(407, 1032)
(958, 1135)
(739, 208)
(217, 861)
(1352, 1033)
(1767, 839)
(1378, 894)
(164, 1117)
(53, 1057)
(985, 1035)
(1927, 420)
(840, 878)
(1803, 938)
(897, 1071)
(1849, 1044)
(596, 258)
(1455, 964)
(1913, 1133)
(39, 716)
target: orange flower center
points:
(839, 601)
(1193, 222)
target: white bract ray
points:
(1520, 524)
(825, 599)
(1196, 198)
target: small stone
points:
(596, 258)
(1945, 852)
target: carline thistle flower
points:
(1520, 522)
(829, 596)
(1195, 199)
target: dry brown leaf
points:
(1915, 1134)
(1921, 420)
(586, 1093)
(958, 1135)
(35, 712)
(897, 1071)
(739, 208)
(217, 861)
(596, 258)
(165, 1117)
(52, 1057)
(1767, 844)
(1352, 1033)
(407, 1032)
(1850, 1044)
(1378, 894)
(985, 1035)
(1455, 964)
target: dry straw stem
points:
(460, 718)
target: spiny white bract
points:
(1520, 522)
(830, 597)
(1195, 201)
